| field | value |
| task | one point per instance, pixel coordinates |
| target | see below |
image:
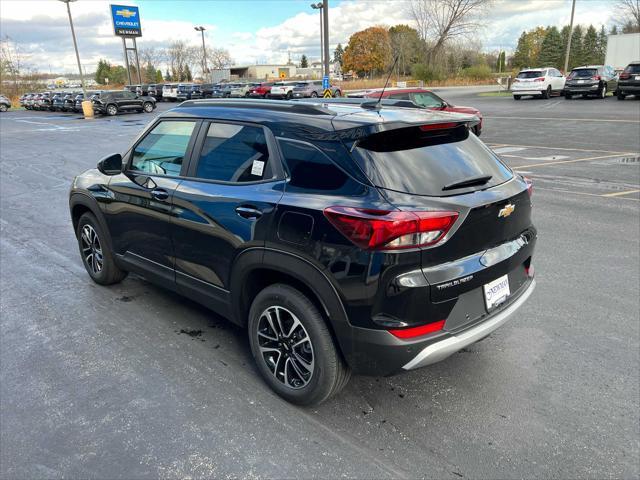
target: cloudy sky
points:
(263, 31)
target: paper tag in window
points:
(258, 168)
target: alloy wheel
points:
(148, 107)
(91, 249)
(285, 347)
(112, 110)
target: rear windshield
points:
(583, 73)
(425, 162)
(532, 74)
(632, 69)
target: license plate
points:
(496, 292)
(637, 77)
(580, 81)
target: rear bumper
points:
(629, 88)
(530, 91)
(574, 89)
(442, 349)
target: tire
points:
(620, 95)
(112, 110)
(338, 94)
(517, 97)
(3, 107)
(106, 273)
(325, 373)
(314, 95)
(289, 95)
(568, 96)
(603, 91)
(147, 107)
(547, 93)
(477, 130)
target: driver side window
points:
(162, 150)
(426, 100)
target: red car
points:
(261, 90)
(427, 99)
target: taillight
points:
(624, 76)
(529, 183)
(413, 332)
(390, 230)
(596, 77)
(539, 79)
(530, 271)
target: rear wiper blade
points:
(468, 182)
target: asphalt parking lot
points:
(100, 382)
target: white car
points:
(282, 90)
(542, 82)
(170, 92)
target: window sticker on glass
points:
(258, 168)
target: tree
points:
(187, 74)
(590, 46)
(501, 61)
(576, 55)
(103, 72)
(218, 58)
(167, 75)
(10, 61)
(602, 46)
(368, 51)
(628, 15)
(551, 49)
(158, 76)
(338, 53)
(406, 45)
(439, 21)
(614, 30)
(304, 63)
(522, 55)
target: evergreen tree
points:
(304, 63)
(149, 73)
(602, 46)
(521, 57)
(158, 76)
(551, 49)
(187, 73)
(590, 46)
(564, 36)
(167, 75)
(337, 54)
(576, 56)
(501, 61)
(103, 72)
(614, 30)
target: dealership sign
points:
(126, 21)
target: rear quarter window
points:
(424, 162)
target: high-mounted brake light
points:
(529, 185)
(413, 332)
(390, 230)
(437, 126)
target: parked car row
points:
(587, 81)
(106, 102)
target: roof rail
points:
(363, 102)
(273, 105)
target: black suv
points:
(341, 237)
(629, 81)
(594, 80)
(114, 102)
(155, 91)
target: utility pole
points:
(319, 6)
(87, 106)
(205, 70)
(566, 58)
(325, 12)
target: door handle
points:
(160, 194)
(249, 212)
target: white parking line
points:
(597, 120)
(560, 148)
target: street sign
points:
(325, 82)
(126, 21)
(327, 93)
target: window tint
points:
(633, 68)
(310, 169)
(530, 74)
(399, 96)
(128, 95)
(162, 151)
(423, 162)
(584, 73)
(234, 153)
(427, 100)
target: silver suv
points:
(313, 89)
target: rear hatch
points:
(630, 76)
(450, 170)
(528, 80)
(582, 77)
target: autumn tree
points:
(368, 51)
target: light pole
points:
(325, 24)
(318, 6)
(566, 57)
(204, 51)
(87, 106)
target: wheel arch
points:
(258, 268)
(79, 204)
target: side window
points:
(234, 153)
(426, 100)
(162, 151)
(399, 96)
(310, 169)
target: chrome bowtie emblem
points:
(507, 210)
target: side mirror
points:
(111, 165)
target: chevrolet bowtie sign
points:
(126, 21)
